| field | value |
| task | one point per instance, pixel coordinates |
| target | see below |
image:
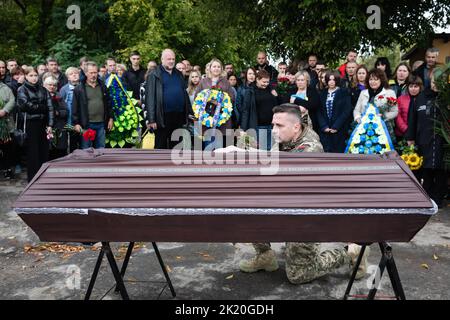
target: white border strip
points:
(249, 169)
(230, 211)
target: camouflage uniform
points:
(304, 261)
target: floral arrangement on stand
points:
(371, 135)
(212, 107)
(126, 114)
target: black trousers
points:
(37, 146)
(74, 141)
(435, 184)
(7, 155)
(173, 121)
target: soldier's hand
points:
(152, 126)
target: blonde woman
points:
(306, 97)
(193, 83)
(216, 77)
(121, 68)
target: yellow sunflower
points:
(405, 158)
(414, 160)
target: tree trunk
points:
(45, 20)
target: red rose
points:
(89, 135)
(380, 97)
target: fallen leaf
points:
(230, 277)
(205, 256)
(168, 268)
(178, 257)
(53, 247)
(425, 266)
(435, 257)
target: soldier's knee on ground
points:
(300, 275)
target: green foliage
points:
(330, 28)
(40, 30)
(199, 30)
(443, 127)
(392, 53)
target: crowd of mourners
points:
(41, 100)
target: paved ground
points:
(30, 269)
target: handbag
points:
(148, 140)
(20, 135)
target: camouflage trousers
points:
(304, 261)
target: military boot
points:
(266, 261)
(353, 251)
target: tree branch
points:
(22, 6)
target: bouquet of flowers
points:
(282, 86)
(88, 134)
(410, 156)
(385, 103)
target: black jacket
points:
(14, 86)
(420, 72)
(313, 76)
(62, 80)
(134, 79)
(35, 101)
(312, 104)
(340, 120)
(249, 116)
(342, 109)
(80, 113)
(61, 114)
(271, 70)
(422, 117)
(154, 97)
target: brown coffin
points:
(141, 195)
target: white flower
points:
(382, 139)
